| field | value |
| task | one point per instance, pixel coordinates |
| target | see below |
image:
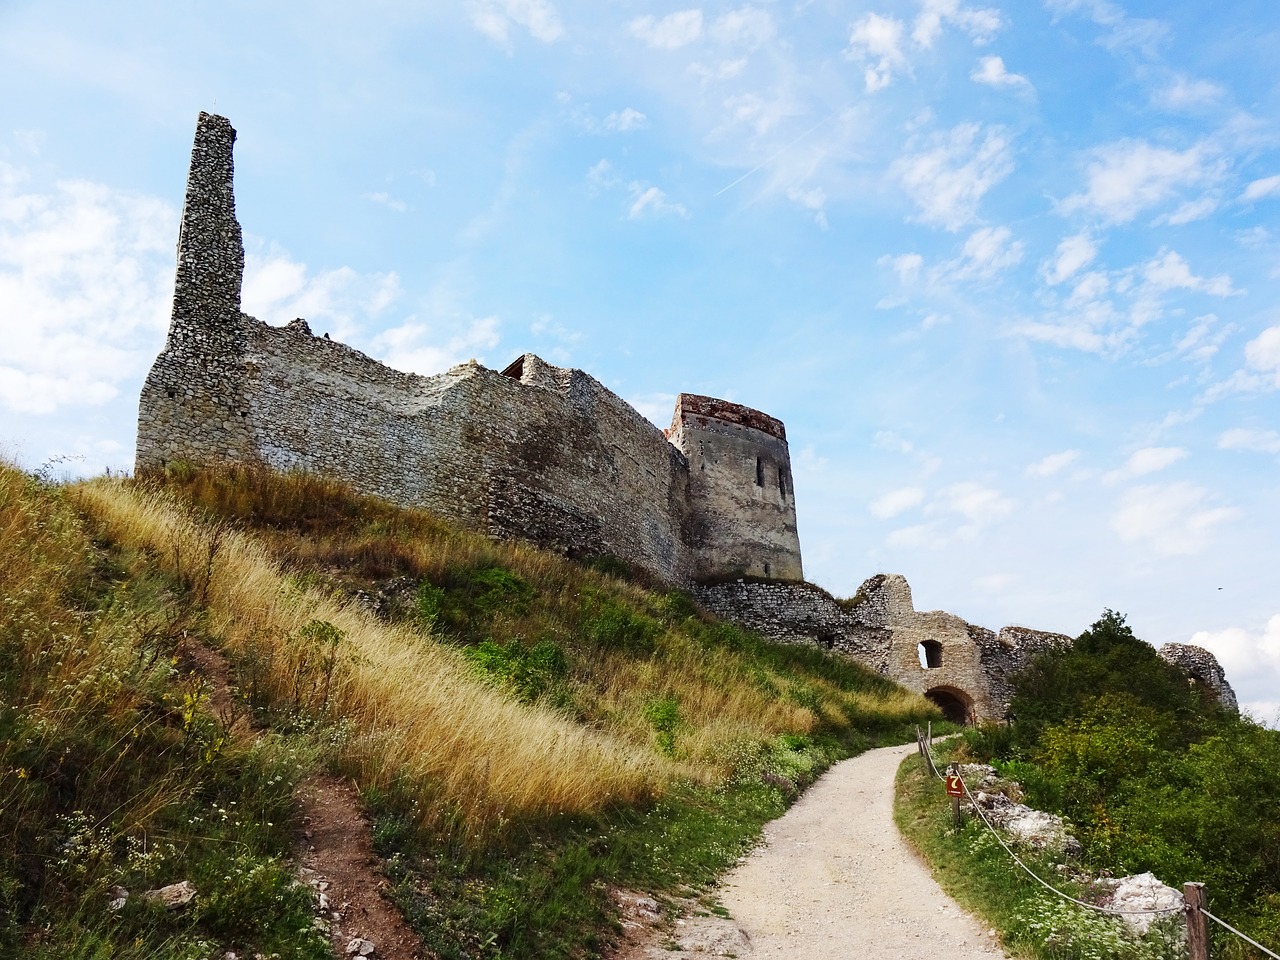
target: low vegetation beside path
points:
(527, 733)
(1151, 776)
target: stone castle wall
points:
(535, 452)
(544, 454)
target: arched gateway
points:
(955, 704)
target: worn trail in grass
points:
(835, 879)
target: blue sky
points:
(1008, 273)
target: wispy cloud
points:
(1248, 438)
(895, 502)
(991, 72)
(1174, 519)
(86, 274)
(1052, 464)
(949, 178)
(495, 18)
(1146, 461)
(877, 41)
(1262, 189)
(980, 23)
(671, 32)
(624, 120)
(1130, 176)
(1073, 254)
(384, 199)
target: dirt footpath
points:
(834, 879)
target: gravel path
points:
(834, 879)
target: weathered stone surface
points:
(1201, 667)
(1144, 892)
(174, 896)
(535, 452)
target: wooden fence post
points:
(1197, 930)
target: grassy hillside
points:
(526, 731)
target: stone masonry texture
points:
(543, 454)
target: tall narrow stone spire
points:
(210, 249)
(194, 406)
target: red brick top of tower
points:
(692, 408)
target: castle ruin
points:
(538, 453)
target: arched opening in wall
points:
(930, 653)
(955, 704)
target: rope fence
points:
(1194, 899)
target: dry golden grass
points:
(420, 718)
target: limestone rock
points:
(1144, 892)
(174, 896)
(1202, 667)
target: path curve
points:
(834, 879)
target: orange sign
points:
(955, 788)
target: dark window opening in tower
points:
(930, 653)
(766, 568)
(782, 482)
(759, 472)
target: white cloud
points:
(1191, 211)
(1127, 177)
(277, 289)
(647, 199)
(1123, 31)
(1172, 519)
(494, 18)
(991, 72)
(1244, 438)
(1261, 371)
(1169, 271)
(906, 266)
(1053, 463)
(86, 277)
(1073, 254)
(657, 408)
(917, 535)
(385, 199)
(895, 502)
(1252, 654)
(986, 252)
(1262, 189)
(980, 23)
(949, 180)
(624, 120)
(1145, 461)
(671, 32)
(748, 27)
(877, 41)
(419, 348)
(1262, 353)
(1203, 339)
(1185, 92)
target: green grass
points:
(972, 867)
(114, 768)
(113, 773)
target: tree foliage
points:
(1151, 771)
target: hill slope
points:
(525, 732)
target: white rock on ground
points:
(1143, 891)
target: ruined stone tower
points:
(741, 496)
(193, 404)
